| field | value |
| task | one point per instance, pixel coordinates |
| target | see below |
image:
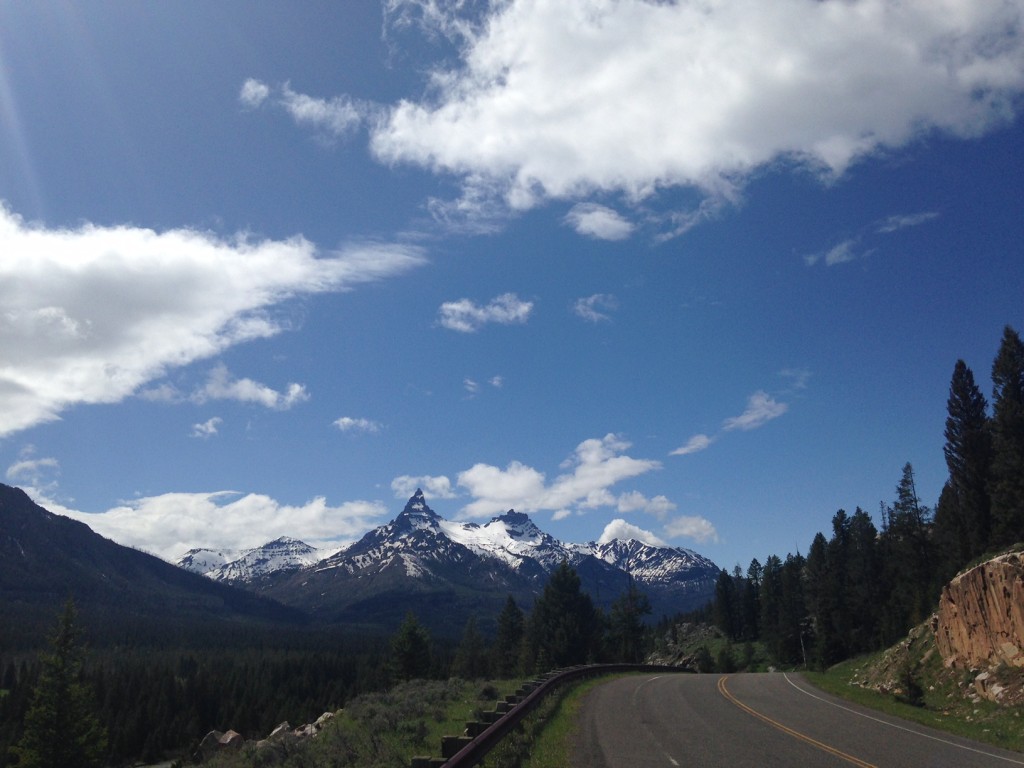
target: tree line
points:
(120, 704)
(861, 588)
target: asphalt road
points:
(777, 719)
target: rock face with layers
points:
(980, 621)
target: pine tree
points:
(61, 727)
(565, 628)
(410, 650)
(470, 658)
(508, 642)
(968, 450)
(627, 625)
(1007, 480)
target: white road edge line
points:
(900, 727)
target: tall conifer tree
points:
(968, 452)
(1007, 481)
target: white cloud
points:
(573, 98)
(220, 386)
(439, 487)
(253, 93)
(91, 315)
(599, 222)
(30, 470)
(761, 408)
(471, 386)
(207, 428)
(172, 523)
(497, 382)
(337, 117)
(634, 501)
(466, 316)
(595, 308)
(350, 424)
(620, 529)
(693, 527)
(595, 466)
(799, 377)
(896, 223)
(695, 444)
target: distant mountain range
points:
(447, 570)
(47, 558)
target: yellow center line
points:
(789, 731)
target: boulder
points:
(980, 621)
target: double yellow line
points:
(789, 731)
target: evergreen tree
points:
(907, 553)
(410, 650)
(966, 519)
(725, 605)
(470, 659)
(862, 586)
(508, 642)
(627, 625)
(565, 628)
(61, 727)
(1007, 479)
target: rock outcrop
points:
(980, 621)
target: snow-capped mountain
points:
(278, 556)
(420, 559)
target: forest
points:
(861, 588)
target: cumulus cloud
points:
(692, 527)
(599, 222)
(595, 466)
(207, 428)
(761, 408)
(93, 314)
(620, 529)
(634, 501)
(439, 487)
(350, 424)
(695, 444)
(253, 93)
(532, 110)
(467, 316)
(170, 524)
(221, 386)
(595, 308)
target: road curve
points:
(698, 721)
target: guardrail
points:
(481, 737)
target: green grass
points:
(943, 706)
(555, 743)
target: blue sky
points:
(697, 273)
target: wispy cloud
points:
(467, 316)
(32, 470)
(692, 527)
(595, 308)
(896, 223)
(761, 408)
(695, 444)
(207, 428)
(334, 118)
(93, 314)
(599, 222)
(350, 424)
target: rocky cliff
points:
(980, 621)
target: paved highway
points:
(698, 721)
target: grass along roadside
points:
(939, 702)
(553, 745)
